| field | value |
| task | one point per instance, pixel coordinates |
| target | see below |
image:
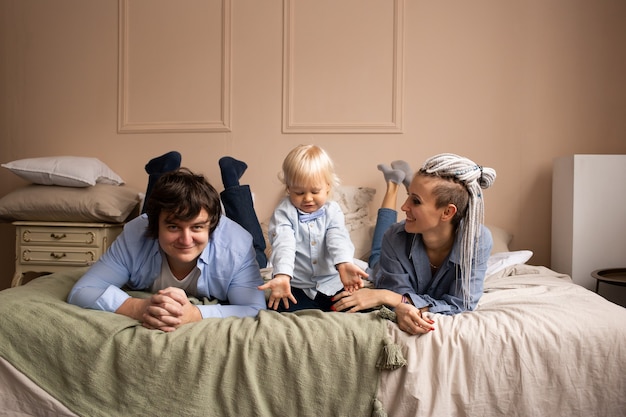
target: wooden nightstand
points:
(612, 276)
(58, 246)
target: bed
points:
(537, 345)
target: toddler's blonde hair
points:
(306, 164)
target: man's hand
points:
(166, 310)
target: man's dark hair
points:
(182, 195)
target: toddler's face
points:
(309, 198)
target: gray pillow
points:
(99, 203)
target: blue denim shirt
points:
(229, 271)
(309, 251)
(404, 268)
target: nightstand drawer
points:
(68, 256)
(56, 236)
(58, 246)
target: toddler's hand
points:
(351, 276)
(280, 290)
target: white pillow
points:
(500, 260)
(67, 171)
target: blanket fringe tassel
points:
(387, 314)
(378, 410)
(391, 356)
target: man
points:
(181, 246)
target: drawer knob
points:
(58, 236)
(58, 255)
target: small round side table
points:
(612, 276)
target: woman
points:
(436, 259)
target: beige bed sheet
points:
(537, 345)
(21, 397)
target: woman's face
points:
(422, 215)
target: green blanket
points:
(103, 364)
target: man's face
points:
(183, 241)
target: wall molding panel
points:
(343, 64)
(174, 66)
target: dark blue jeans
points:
(321, 302)
(239, 207)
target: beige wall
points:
(511, 85)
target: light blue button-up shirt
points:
(308, 251)
(228, 268)
(404, 268)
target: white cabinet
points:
(588, 215)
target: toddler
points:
(312, 254)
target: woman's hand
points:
(280, 290)
(362, 299)
(411, 321)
